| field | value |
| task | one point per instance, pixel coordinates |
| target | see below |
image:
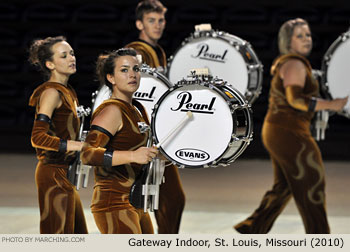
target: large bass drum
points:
(152, 86)
(227, 56)
(335, 80)
(218, 132)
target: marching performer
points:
(150, 21)
(55, 129)
(296, 158)
(116, 147)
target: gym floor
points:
(216, 198)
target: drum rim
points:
(215, 162)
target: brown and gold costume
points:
(61, 210)
(110, 206)
(153, 56)
(296, 158)
(172, 196)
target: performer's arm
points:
(293, 74)
(107, 123)
(49, 101)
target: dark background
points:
(93, 27)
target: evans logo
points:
(193, 155)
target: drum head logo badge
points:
(186, 105)
(204, 54)
(145, 96)
(193, 155)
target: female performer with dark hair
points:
(150, 21)
(56, 127)
(116, 147)
(296, 158)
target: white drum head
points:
(149, 92)
(205, 137)
(338, 73)
(220, 57)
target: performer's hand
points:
(339, 103)
(144, 155)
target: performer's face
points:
(126, 75)
(301, 42)
(63, 59)
(152, 26)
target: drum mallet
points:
(189, 115)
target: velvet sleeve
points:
(41, 139)
(93, 149)
(298, 100)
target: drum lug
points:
(326, 59)
(345, 36)
(238, 106)
(255, 67)
(241, 139)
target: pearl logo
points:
(203, 53)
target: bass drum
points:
(152, 85)
(335, 80)
(227, 56)
(218, 132)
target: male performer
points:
(150, 21)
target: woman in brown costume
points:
(296, 158)
(150, 21)
(116, 147)
(55, 129)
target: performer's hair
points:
(40, 51)
(147, 6)
(286, 32)
(106, 63)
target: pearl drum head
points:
(152, 86)
(218, 132)
(335, 81)
(225, 55)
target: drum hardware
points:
(321, 124)
(144, 193)
(241, 139)
(78, 173)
